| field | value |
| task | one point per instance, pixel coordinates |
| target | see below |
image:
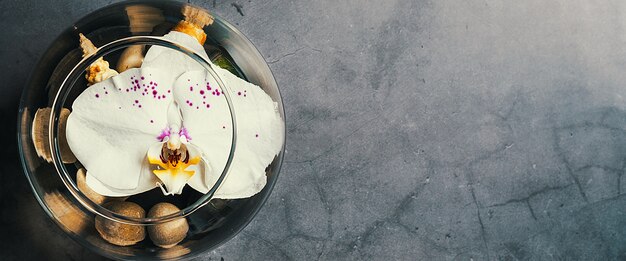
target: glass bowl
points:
(212, 221)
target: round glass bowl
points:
(52, 84)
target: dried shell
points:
(168, 234)
(39, 134)
(118, 233)
(99, 70)
(86, 45)
(192, 30)
(195, 20)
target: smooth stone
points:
(118, 233)
(81, 177)
(168, 234)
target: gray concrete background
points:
(417, 130)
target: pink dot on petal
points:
(142, 77)
(151, 121)
(256, 135)
(136, 101)
(139, 105)
(97, 95)
(239, 93)
(201, 91)
(208, 105)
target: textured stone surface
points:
(417, 130)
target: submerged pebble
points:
(117, 233)
(168, 234)
(81, 182)
(82, 186)
(132, 57)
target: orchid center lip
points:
(172, 167)
(173, 157)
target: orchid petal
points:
(147, 181)
(260, 135)
(112, 125)
(206, 116)
(202, 170)
(175, 62)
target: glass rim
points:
(61, 96)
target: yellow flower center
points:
(173, 168)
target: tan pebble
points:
(39, 134)
(118, 233)
(168, 234)
(81, 182)
(132, 57)
(82, 185)
(66, 153)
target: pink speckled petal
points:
(260, 135)
(112, 125)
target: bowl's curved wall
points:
(214, 224)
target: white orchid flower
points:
(167, 124)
